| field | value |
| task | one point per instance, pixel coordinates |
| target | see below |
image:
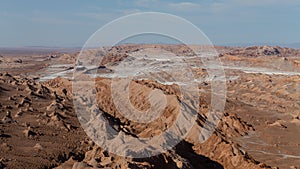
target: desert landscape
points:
(40, 126)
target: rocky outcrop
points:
(258, 51)
(48, 133)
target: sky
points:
(69, 23)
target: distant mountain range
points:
(36, 50)
(26, 50)
(288, 45)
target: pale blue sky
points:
(71, 22)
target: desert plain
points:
(258, 128)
